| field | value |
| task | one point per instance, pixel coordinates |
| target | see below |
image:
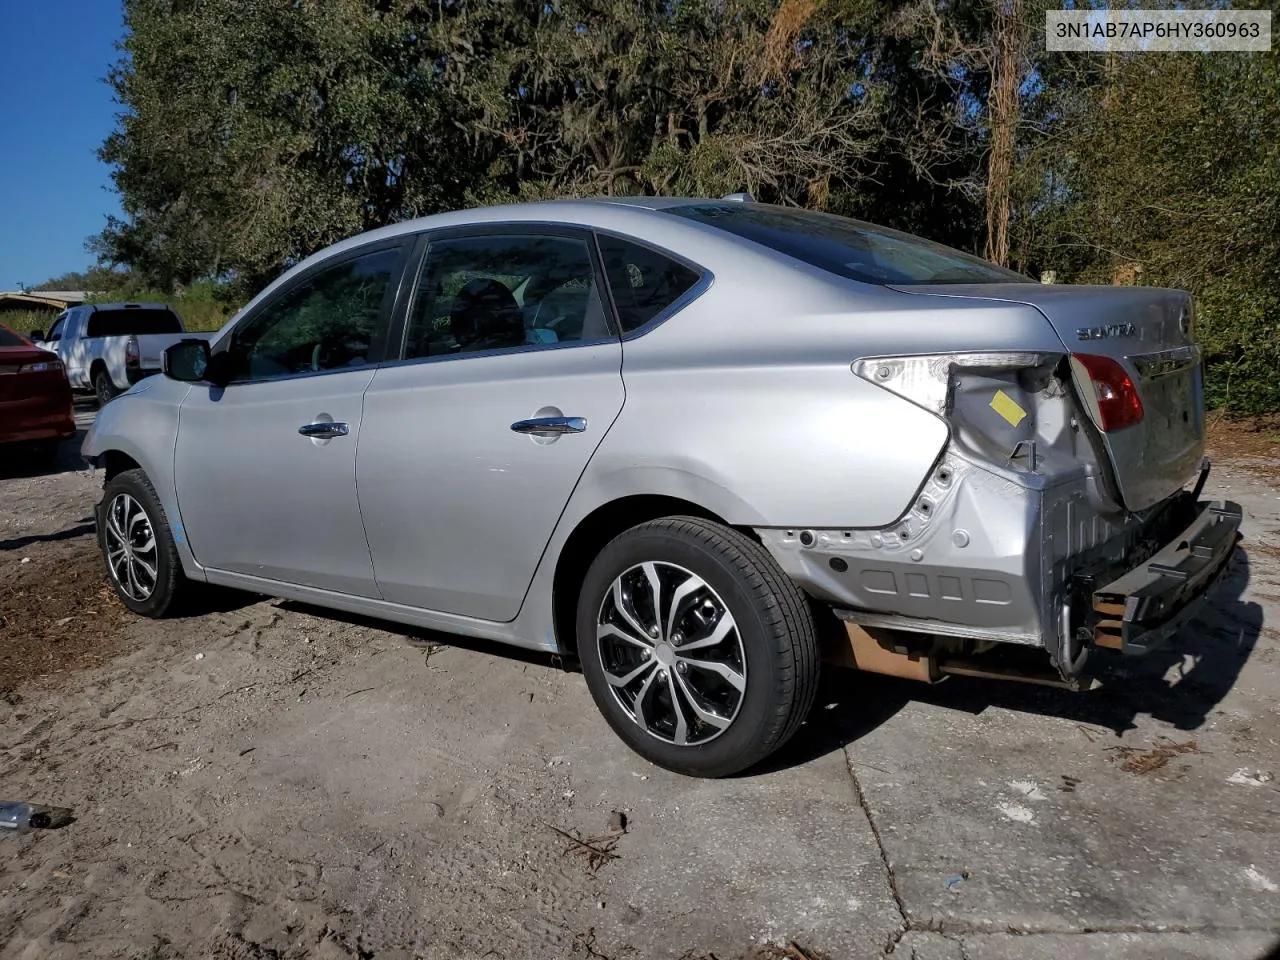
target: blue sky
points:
(55, 109)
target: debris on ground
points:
(953, 882)
(18, 817)
(597, 850)
(1141, 762)
(1247, 778)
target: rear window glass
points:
(10, 339)
(123, 322)
(848, 248)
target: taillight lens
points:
(48, 366)
(131, 353)
(1119, 405)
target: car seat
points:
(485, 316)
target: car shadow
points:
(1179, 684)
(84, 527)
(428, 639)
(21, 462)
(213, 598)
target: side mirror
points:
(187, 360)
(36, 336)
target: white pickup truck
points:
(108, 347)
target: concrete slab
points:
(919, 945)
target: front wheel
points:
(138, 547)
(699, 651)
(103, 388)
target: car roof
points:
(640, 217)
(618, 213)
(587, 209)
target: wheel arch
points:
(115, 462)
(596, 529)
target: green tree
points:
(1167, 172)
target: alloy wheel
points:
(132, 556)
(671, 653)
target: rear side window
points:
(643, 282)
(848, 248)
(499, 292)
(10, 339)
(123, 322)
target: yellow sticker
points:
(1008, 408)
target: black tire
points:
(170, 585)
(779, 645)
(103, 388)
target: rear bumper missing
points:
(1143, 607)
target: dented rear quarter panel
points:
(746, 402)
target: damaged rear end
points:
(1064, 514)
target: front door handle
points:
(324, 430)
(549, 426)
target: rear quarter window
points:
(643, 282)
(124, 322)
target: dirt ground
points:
(261, 780)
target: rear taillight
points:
(131, 352)
(1119, 405)
(45, 366)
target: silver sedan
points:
(701, 445)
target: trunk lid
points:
(1148, 332)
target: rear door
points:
(266, 467)
(473, 442)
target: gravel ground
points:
(264, 780)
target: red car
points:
(35, 398)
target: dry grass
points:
(1142, 762)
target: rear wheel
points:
(103, 388)
(138, 547)
(699, 651)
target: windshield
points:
(10, 339)
(132, 320)
(848, 248)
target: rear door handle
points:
(324, 430)
(548, 426)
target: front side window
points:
(55, 332)
(498, 292)
(643, 282)
(848, 248)
(326, 321)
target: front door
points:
(59, 342)
(265, 467)
(474, 442)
